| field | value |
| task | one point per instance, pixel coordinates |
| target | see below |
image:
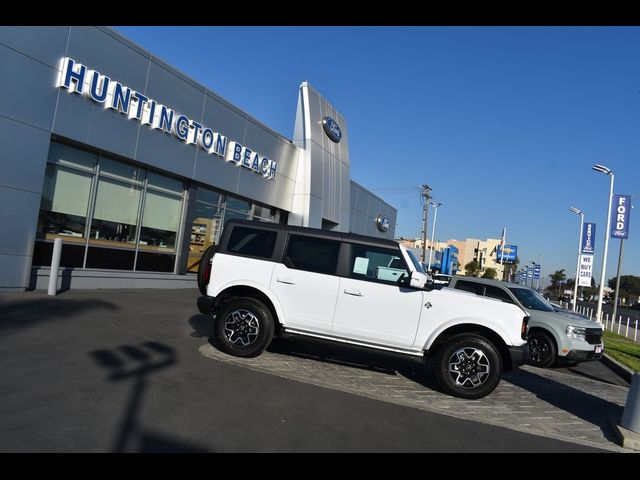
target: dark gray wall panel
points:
(165, 151)
(172, 91)
(19, 221)
(27, 89)
(216, 171)
(277, 192)
(99, 51)
(15, 271)
(90, 123)
(288, 159)
(265, 143)
(45, 44)
(224, 120)
(23, 156)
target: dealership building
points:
(137, 167)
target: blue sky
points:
(503, 123)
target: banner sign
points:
(620, 208)
(588, 238)
(536, 272)
(586, 268)
(506, 254)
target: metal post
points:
(631, 415)
(615, 298)
(635, 333)
(425, 217)
(626, 332)
(55, 266)
(433, 233)
(606, 247)
(619, 324)
(575, 286)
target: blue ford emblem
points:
(332, 129)
(382, 222)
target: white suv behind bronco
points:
(264, 280)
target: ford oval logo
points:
(332, 129)
(382, 222)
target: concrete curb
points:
(623, 371)
(626, 438)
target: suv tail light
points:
(523, 330)
(207, 272)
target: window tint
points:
(476, 288)
(312, 254)
(377, 264)
(252, 241)
(495, 292)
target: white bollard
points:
(55, 266)
(631, 415)
(635, 334)
(619, 323)
(626, 332)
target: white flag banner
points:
(586, 269)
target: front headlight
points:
(577, 333)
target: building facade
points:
(137, 167)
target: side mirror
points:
(418, 280)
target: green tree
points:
(472, 268)
(556, 281)
(490, 273)
(629, 287)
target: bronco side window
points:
(312, 254)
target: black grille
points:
(593, 336)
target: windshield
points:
(416, 263)
(532, 299)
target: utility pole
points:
(425, 196)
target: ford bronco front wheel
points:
(244, 327)
(468, 366)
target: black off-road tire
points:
(204, 269)
(542, 350)
(468, 366)
(244, 327)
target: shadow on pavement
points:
(139, 362)
(18, 314)
(202, 326)
(583, 405)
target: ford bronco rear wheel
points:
(468, 366)
(244, 327)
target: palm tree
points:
(557, 278)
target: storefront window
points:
(206, 223)
(262, 213)
(236, 209)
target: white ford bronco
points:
(264, 280)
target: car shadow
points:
(585, 406)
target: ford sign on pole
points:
(620, 208)
(588, 238)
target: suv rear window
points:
(252, 241)
(312, 254)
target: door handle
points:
(287, 280)
(356, 293)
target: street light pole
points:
(575, 283)
(424, 197)
(433, 233)
(607, 171)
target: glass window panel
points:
(71, 255)
(167, 184)
(206, 221)
(155, 262)
(261, 213)
(160, 220)
(66, 155)
(64, 202)
(377, 264)
(238, 205)
(252, 241)
(312, 254)
(116, 213)
(110, 258)
(122, 171)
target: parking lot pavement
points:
(552, 403)
(133, 370)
